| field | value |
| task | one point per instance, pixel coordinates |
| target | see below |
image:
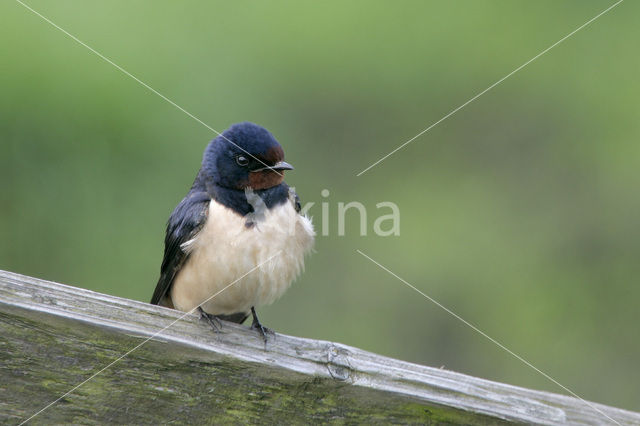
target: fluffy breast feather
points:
(226, 249)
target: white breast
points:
(225, 250)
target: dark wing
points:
(184, 223)
(293, 196)
(296, 204)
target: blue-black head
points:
(244, 156)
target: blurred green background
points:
(520, 213)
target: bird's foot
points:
(256, 325)
(213, 321)
(262, 330)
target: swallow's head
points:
(245, 156)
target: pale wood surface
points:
(53, 336)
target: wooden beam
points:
(53, 337)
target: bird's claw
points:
(213, 321)
(255, 325)
(262, 330)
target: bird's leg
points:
(255, 325)
(213, 321)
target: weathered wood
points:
(53, 337)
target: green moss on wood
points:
(44, 356)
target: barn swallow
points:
(238, 214)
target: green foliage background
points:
(519, 213)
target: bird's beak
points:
(281, 165)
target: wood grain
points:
(54, 336)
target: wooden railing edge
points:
(342, 363)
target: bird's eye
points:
(242, 160)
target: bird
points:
(237, 240)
